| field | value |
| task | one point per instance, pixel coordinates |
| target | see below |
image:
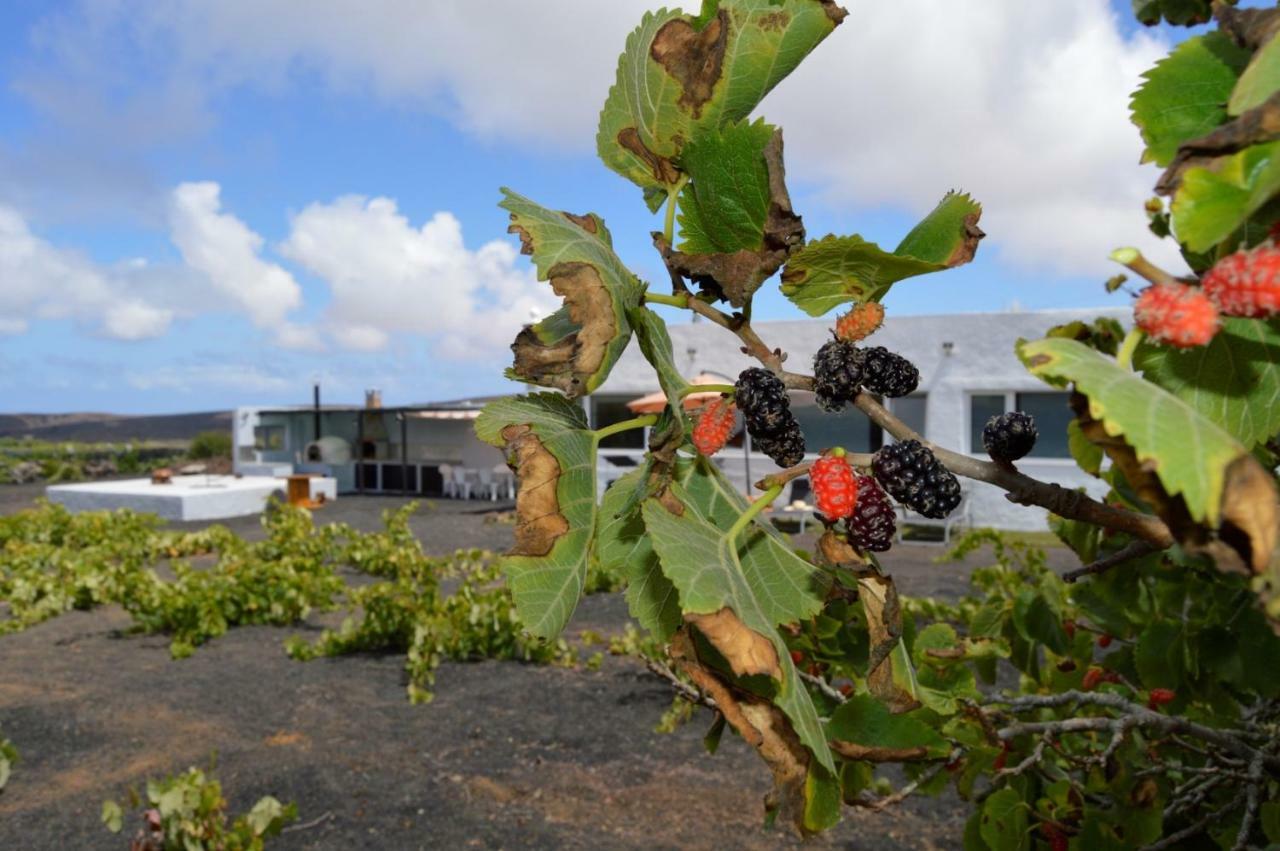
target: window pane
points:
(1052, 413)
(910, 409)
(608, 413)
(981, 409)
(822, 430)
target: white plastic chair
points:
(461, 483)
(504, 481)
(446, 476)
(488, 489)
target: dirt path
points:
(507, 756)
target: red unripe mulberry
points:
(714, 426)
(835, 491)
(1160, 696)
(1246, 283)
(860, 322)
(1176, 314)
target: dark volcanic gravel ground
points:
(507, 756)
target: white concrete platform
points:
(187, 498)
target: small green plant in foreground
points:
(187, 812)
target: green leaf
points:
(705, 568)
(1087, 454)
(267, 817)
(1234, 381)
(1270, 819)
(1190, 453)
(655, 345)
(573, 349)
(724, 208)
(1210, 204)
(112, 815)
(821, 799)
(1003, 825)
(838, 269)
(1259, 81)
(681, 77)
(1184, 96)
(865, 721)
(555, 511)
(622, 545)
(1036, 620)
(1178, 12)
(1159, 655)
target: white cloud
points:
(193, 378)
(1024, 105)
(387, 277)
(41, 281)
(224, 249)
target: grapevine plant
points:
(1133, 702)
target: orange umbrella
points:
(655, 402)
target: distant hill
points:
(113, 428)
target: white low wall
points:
(187, 498)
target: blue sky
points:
(209, 204)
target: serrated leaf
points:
(834, 270)
(723, 209)
(705, 568)
(1178, 12)
(1159, 655)
(655, 345)
(1260, 80)
(1234, 380)
(623, 545)
(681, 76)
(1087, 454)
(866, 722)
(1184, 96)
(1190, 453)
(1211, 204)
(554, 454)
(574, 349)
(1003, 824)
(821, 800)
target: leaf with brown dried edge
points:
(805, 793)
(1220, 484)
(573, 349)
(837, 269)
(736, 216)
(891, 678)
(704, 566)
(680, 76)
(553, 454)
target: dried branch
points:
(907, 791)
(1251, 804)
(1131, 716)
(679, 686)
(1134, 550)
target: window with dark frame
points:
(269, 438)
(1050, 409)
(608, 412)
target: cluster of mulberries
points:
(840, 369)
(763, 400)
(914, 477)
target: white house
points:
(968, 373)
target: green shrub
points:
(210, 444)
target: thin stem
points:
(706, 388)
(1133, 259)
(1130, 345)
(764, 501)
(681, 300)
(669, 226)
(625, 425)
